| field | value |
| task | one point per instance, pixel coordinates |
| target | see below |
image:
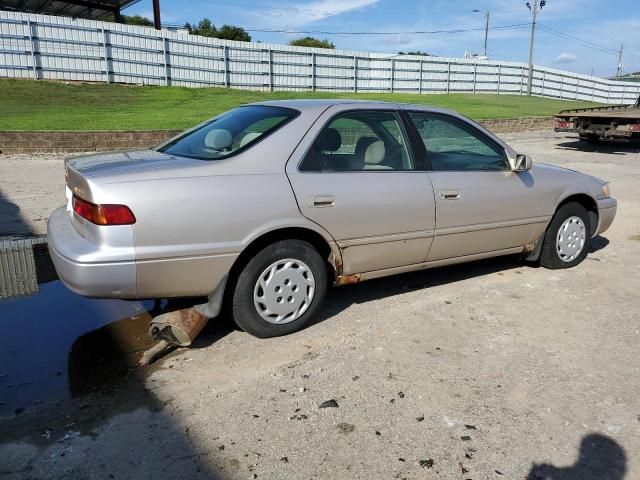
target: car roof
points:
(314, 103)
(324, 103)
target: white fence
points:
(61, 48)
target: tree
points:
(206, 28)
(312, 42)
(230, 32)
(417, 52)
(137, 20)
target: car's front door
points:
(354, 174)
(482, 206)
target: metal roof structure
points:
(89, 9)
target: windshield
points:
(229, 133)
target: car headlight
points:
(606, 190)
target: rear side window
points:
(230, 132)
(362, 140)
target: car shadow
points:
(600, 458)
(339, 299)
(598, 243)
(608, 147)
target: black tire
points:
(243, 309)
(549, 257)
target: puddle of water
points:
(56, 344)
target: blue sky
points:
(605, 25)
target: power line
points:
(585, 43)
(417, 32)
(588, 42)
(580, 41)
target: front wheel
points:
(567, 240)
(280, 289)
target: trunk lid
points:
(87, 176)
(83, 173)
(127, 163)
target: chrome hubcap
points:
(284, 291)
(570, 240)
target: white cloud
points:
(565, 57)
(328, 8)
(302, 13)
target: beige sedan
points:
(265, 206)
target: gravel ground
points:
(30, 187)
(488, 370)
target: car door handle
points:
(321, 201)
(450, 194)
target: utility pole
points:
(486, 29)
(533, 34)
(620, 64)
(156, 14)
(486, 35)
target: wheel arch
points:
(327, 248)
(590, 205)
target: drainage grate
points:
(18, 267)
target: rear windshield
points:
(229, 133)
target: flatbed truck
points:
(615, 122)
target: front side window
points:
(229, 133)
(454, 145)
(363, 140)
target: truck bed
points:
(628, 113)
(611, 122)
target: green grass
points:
(43, 105)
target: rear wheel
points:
(280, 289)
(567, 240)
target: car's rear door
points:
(355, 175)
(482, 206)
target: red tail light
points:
(564, 124)
(635, 127)
(103, 214)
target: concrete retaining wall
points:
(515, 125)
(22, 141)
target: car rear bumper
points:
(607, 208)
(103, 264)
(89, 268)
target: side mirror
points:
(523, 163)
